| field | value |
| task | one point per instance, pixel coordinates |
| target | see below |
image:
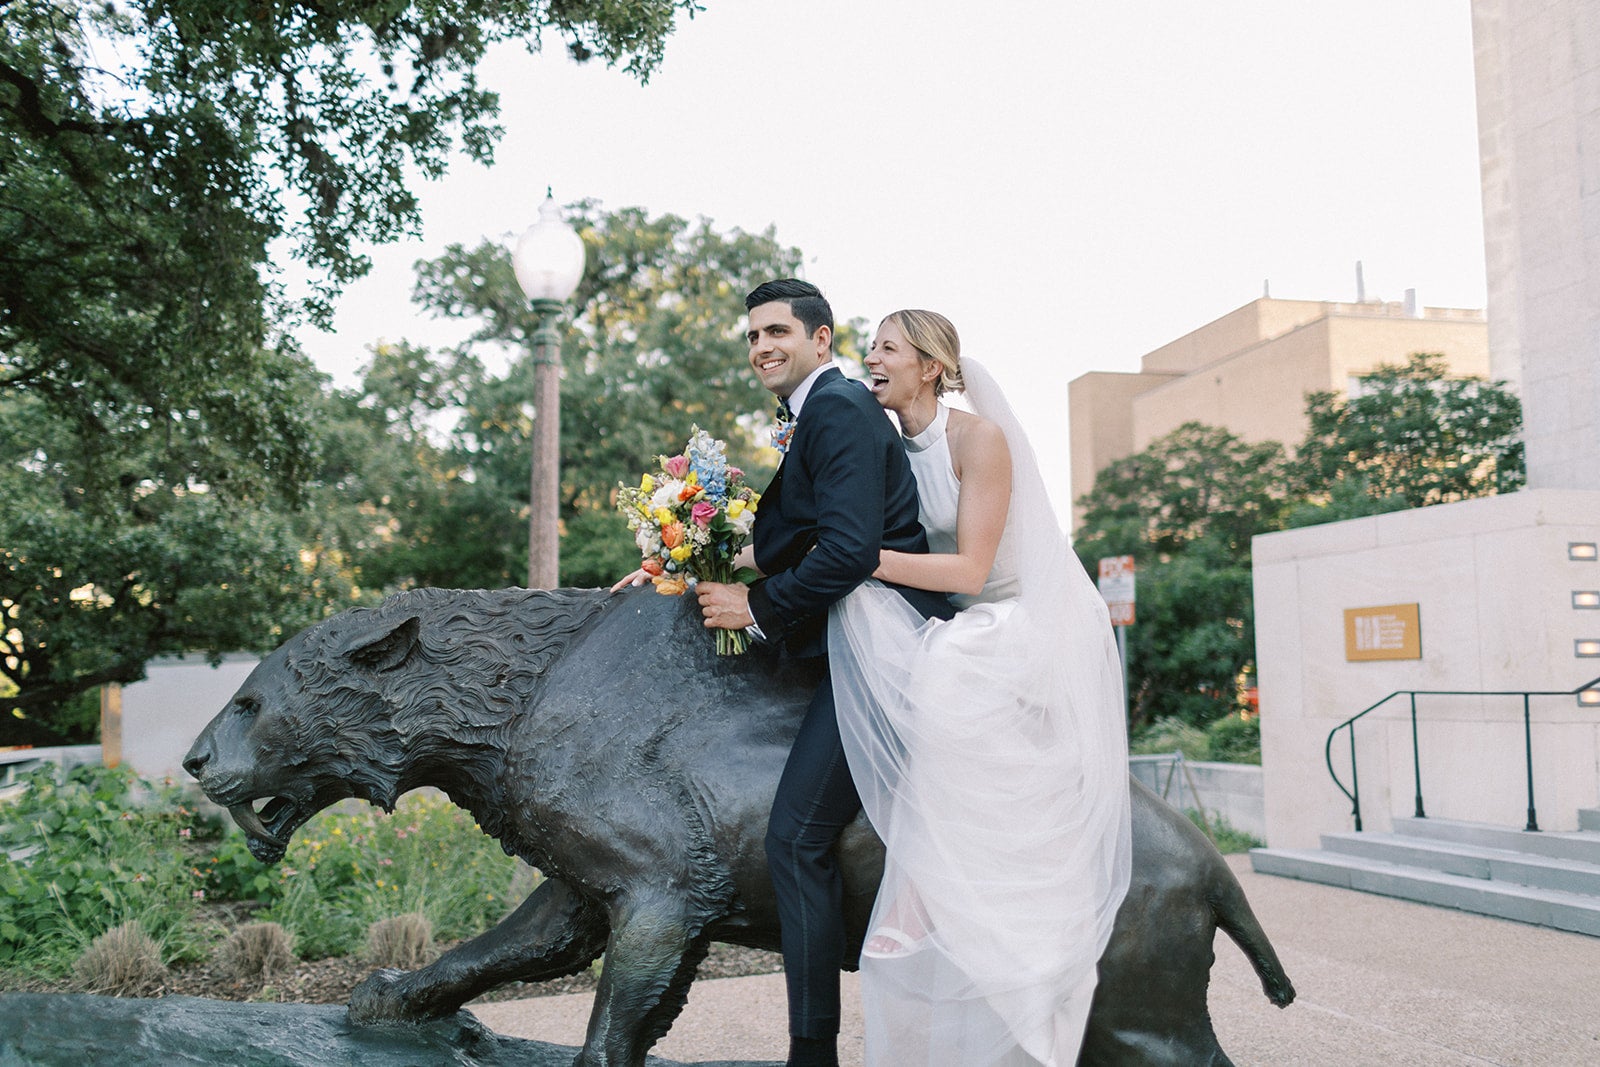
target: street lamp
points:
(549, 264)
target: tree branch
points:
(30, 108)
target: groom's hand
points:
(725, 606)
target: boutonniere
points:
(783, 432)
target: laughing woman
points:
(989, 750)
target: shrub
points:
(1165, 736)
(83, 853)
(1235, 739)
(348, 869)
(232, 873)
(96, 848)
(404, 941)
(256, 951)
(122, 962)
(1230, 739)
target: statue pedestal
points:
(52, 1030)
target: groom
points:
(843, 492)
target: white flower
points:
(666, 496)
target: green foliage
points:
(115, 551)
(1166, 736)
(1223, 834)
(1412, 434)
(1349, 497)
(654, 345)
(1230, 739)
(1198, 484)
(98, 848)
(1235, 739)
(1185, 508)
(87, 853)
(232, 873)
(1194, 637)
(157, 426)
(347, 870)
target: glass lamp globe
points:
(549, 256)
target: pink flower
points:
(199, 894)
(734, 474)
(703, 513)
(185, 832)
(677, 466)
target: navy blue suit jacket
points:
(844, 492)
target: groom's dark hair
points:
(804, 299)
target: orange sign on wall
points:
(1393, 631)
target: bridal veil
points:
(990, 753)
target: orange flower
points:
(651, 566)
(676, 585)
(672, 534)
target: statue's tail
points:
(1233, 914)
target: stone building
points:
(1250, 370)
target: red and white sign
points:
(1116, 588)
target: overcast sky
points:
(1072, 183)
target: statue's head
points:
(312, 725)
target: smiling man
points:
(843, 493)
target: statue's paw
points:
(381, 998)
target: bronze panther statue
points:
(601, 740)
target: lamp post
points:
(549, 263)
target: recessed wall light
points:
(1589, 698)
(1586, 647)
(1587, 551)
(1586, 598)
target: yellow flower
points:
(735, 508)
(647, 484)
(693, 478)
(682, 552)
(663, 515)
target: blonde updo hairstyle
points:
(934, 338)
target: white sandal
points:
(904, 944)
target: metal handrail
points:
(1354, 792)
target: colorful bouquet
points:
(690, 517)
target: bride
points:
(989, 751)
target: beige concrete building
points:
(1250, 370)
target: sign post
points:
(1117, 589)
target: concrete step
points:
(1471, 861)
(1589, 819)
(1582, 846)
(1541, 907)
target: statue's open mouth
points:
(269, 829)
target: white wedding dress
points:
(991, 756)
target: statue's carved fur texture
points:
(600, 738)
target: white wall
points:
(1494, 586)
(162, 715)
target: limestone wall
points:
(1494, 586)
